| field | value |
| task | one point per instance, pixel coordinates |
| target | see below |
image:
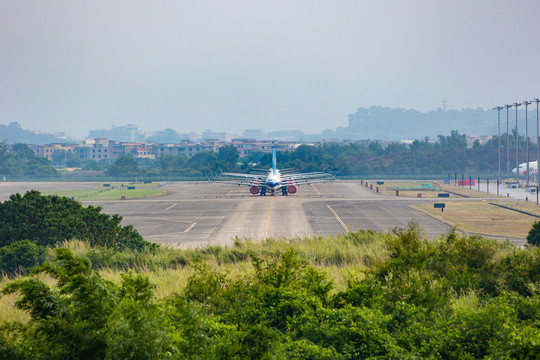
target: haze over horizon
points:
(230, 66)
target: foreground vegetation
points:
(362, 295)
(398, 296)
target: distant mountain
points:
(383, 123)
(14, 133)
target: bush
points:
(533, 237)
(87, 317)
(20, 256)
(47, 220)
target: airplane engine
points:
(254, 189)
(291, 189)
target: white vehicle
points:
(274, 180)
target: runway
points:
(197, 214)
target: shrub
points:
(47, 220)
(20, 256)
(533, 237)
(86, 317)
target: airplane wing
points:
(240, 179)
(307, 179)
(239, 175)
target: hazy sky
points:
(230, 65)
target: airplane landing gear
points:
(263, 191)
(284, 191)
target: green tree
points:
(172, 163)
(8, 163)
(22, 152)
(204, 161)
(19, 256)
(228, 157)
(87, 317)
(73, 162)
(22, 161)
(533, 237)
(125, 166)
(47, 220)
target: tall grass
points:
(341, 257)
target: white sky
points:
(276, 65)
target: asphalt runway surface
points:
(195, 214)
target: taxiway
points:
(194, 214)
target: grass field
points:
(473, 191)
(388, 188)
(482, 217)
(115, 192)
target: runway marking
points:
(174, 233)
(268, 222)
(169, 234)
(339, 219)
(179, 221)
(314, 188)
(170, 207)
(191, 227)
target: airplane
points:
(533, 168)
(274, 180)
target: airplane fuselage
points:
(273, 181)
(533, 168)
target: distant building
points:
(221, 136)
(482, 139)
(96, 149)
(46, 151)
(246, 147)
(128, 133)
(99, 133)
(256, 134)
(186, 148)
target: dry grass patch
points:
(527, 206)
(482, 217)
(8, 311)
(473, 191)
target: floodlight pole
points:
(537, 149)
(517, 142)
(527, 103)
(499, 108)
(507, 144)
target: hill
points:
(385, 123)
(14, 133)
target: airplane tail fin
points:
(274, 161)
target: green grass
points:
(107, 193)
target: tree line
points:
(450, 154)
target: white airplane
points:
(274, 180)
(533, 168)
